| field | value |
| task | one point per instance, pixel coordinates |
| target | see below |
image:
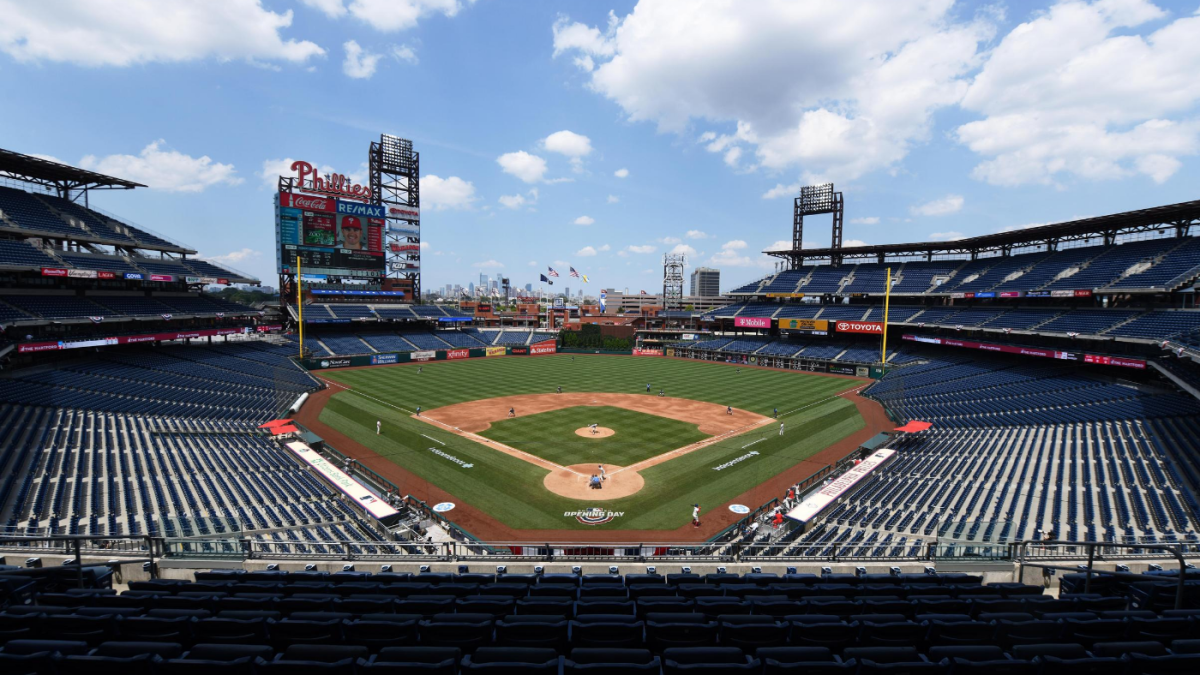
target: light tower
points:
(673, 281)
(394, 173)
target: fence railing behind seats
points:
(1026, 553)
(127, 549)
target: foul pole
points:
(300, 303)
(887, 295)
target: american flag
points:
(552, 272)
(574, 273)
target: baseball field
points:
(496, 438)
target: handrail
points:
(78, 540)
(1175, 549)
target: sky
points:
(602, 135)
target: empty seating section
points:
(207, 269)
(1000, 270)
(57, 306)
(824, 279)
(426, 341)
(971, 317)
(745, 345)
(427, 310)
(387, 342)
(351, 311)
(870, 279)
(786, 348)
(1111, 264)
(896, 313)
(201, 304)
(987, 392)
(1175, 267)
(792, 311)
(27, 211)
(843, 312)
(918, 277)
(109, 263)
(1158, 325)
(242, 382)
(785, 282)
(1021, 319)
(1087, 321)
(8, 314)
(344, 345)
(1049, 267)
(167, 266)
(460, 339)
(967, 274)
(384, 312)
(759, 309)
(513, 337)
(238, 621)
(134, 305)
(21, 254)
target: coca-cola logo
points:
(310, 179)
(311, 203)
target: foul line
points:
(434, 439)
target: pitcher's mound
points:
(572, 482)
(601, 432)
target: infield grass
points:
(551, 435)
(510, 489)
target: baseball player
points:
(378, 426)
(728, 410)
(660, 392)
(560, 389)
(594, 431)
(781, 428)
(418, 411)
(776, 412)
(602, 476)
(420, 369)
(695, 515)
(512, 412)
(647, 387)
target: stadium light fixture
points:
(501, 569)
(613, 569)
(348, 568)
(423, 569)
(385, 569)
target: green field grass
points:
(551, 435)
(510, 489)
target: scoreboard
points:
(332, 237)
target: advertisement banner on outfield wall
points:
(840, 369)
(518, 351)
(869, 327)
(647, 352)
(454, 354)
(670, 351)
(752, 322)
(427, 355)
(384, 359)
(544, 348)
(495, 351)
(804, 324)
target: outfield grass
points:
(510, 489)
(551, 435)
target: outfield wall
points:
(393, 358)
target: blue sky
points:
(602, 135)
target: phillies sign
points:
(333, 184)
(871, 327)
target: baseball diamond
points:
(527, 471)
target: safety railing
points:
(1025, 553)
(126, 549)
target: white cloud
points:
(782, 245)
(605, 247)
(529, 168)
(848, 243)
(613, 199)
(642, 249)
(621, 173)
(586, 252)
(164, 169)
(945, 236)
(129, 32)
(696, 234)
(781, 190)
(1077, 92)
(388, 15)
(518, 200)
(568, 143)
(939, 207)
(838, 102)
(669, 240)
(533, 263)
(405, 53)
(869, 220)
(684, 249)
(446, 193)
(584, 220)
(233, 257)
(730, 256)
(735, 245)
(359, 64)
(488, 264)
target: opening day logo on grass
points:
(731, 462)
(452, 458)
(594, 515)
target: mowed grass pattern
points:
(551, 435)
(510, 489)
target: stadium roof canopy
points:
(1179, 217)
(62, 177)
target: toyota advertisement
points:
(336, 237)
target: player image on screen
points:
(352, 233)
